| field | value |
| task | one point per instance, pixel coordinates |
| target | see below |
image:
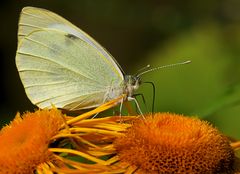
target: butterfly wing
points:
(63, 68)
(33, 18)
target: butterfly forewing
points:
(32, 19)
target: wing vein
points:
(29, 25)
(30, 14)
(35, 70)
(45, 58)
(66, 94)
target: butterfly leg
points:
(121, 106)
(143, 99)
(133, 99)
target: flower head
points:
(48, 142)
(170, 143)
(24, 142)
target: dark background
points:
(140, 32)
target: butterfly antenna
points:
(142, 69)
(161, 67)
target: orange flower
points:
(170, 143)
(24, 142)
(48, 142)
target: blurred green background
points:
(140, 32)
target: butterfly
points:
(61, 65)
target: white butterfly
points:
(60, 64)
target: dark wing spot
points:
(69, 39)
(71, 36)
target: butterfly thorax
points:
(131, 84)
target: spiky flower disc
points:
(170, 143)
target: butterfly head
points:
(131, 84)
